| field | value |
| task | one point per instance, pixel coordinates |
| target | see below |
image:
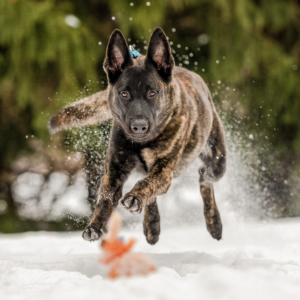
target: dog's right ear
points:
(117, 56)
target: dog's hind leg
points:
(151, 222)
(214, 159)
(211, 213)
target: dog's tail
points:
(91, 110)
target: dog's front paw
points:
(91, 233)
(132, 203)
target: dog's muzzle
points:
(139, 126)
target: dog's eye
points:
(151, 94)
(125, 95)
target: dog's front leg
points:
(156, 183)
(109, 194)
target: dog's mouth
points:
(140, 137)
(144, 134)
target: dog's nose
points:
(139, 125)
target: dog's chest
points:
(148, 157)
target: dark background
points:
(51, 54)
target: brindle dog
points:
(163, 119)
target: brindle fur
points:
(183, 125)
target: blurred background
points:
(51, 54)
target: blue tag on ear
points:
(134, 53)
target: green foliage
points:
(252, 46)
(43, 60)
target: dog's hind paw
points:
(132, 203)
(215, 227)
(92, 234)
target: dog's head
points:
(140, 88)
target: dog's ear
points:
(160, 55)
(117, 56)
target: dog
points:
(163, 118)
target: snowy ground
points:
(252, 261)
(255, 259)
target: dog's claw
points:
(91, 234)
(133, 204)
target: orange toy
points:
(116, 254)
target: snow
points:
(254, 260)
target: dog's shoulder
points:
(192, 84)
(186, 75)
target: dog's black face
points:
(140, 88)
(139, 98)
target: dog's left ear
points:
(160, 55)
(117, 56)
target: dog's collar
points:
(134, 53)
